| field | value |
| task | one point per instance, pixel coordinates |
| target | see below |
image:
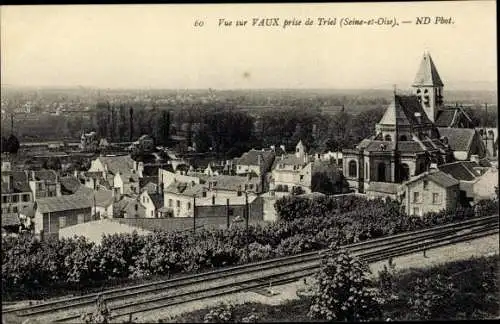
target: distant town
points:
(181, 167)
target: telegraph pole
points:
(194, 214)
(246, 224)
(227, 212)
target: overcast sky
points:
(157, 46)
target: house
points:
(44, 183)
(103, 203)
(166, 178)
(122, 171)
(150, 186)
(476, 181)
(256, 161)
(180, 197)
(431, 191)
(94, 179)
(232, 186)
(16, 192)
(89, 142)
(464, 142)
(53, 213)
(152, 202)
(183, 199)
(292, 170)
(127, 207)
(145, 143)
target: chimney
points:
(433, 166)
(474, 158)
(418, 116)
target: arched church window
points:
(388, 138)
(381, 172)
(405, 172)
(418, 90)
(403, 138)
(353, 166)
(426, 90)
(481, 132)
(490, 134)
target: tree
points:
(4, 144)
(342, 291)
(12, 145)
(52, 163)
(297, 191)
(327, 179)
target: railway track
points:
(141, 299)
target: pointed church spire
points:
(427, 74)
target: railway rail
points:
(138, 300)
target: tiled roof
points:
(445, 118)
(10, 219)
(123, 163)
(85, 191)
(443, 179)
(459, 139)
(19, 182)
(252, 157)
(46, 175)
(68, 202)
(451, 117)
(150, 187)
(149, 179)
(130, 206)
(93, 174)
(70, 184)
(385, 187)
(289, 159)
(463, 170)
(185, 189)
(427, 74)
(103, 198)
(231, 183)
(157, 199)
(412, 146)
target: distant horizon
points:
(73, 87)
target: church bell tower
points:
(428, 87)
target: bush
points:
(220, 314)
(430, 295)
(342, 292)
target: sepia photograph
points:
(249, 163)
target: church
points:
(417, 132)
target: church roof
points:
(401, 112)
(427, 74)
(451, 117)
(459, 139)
